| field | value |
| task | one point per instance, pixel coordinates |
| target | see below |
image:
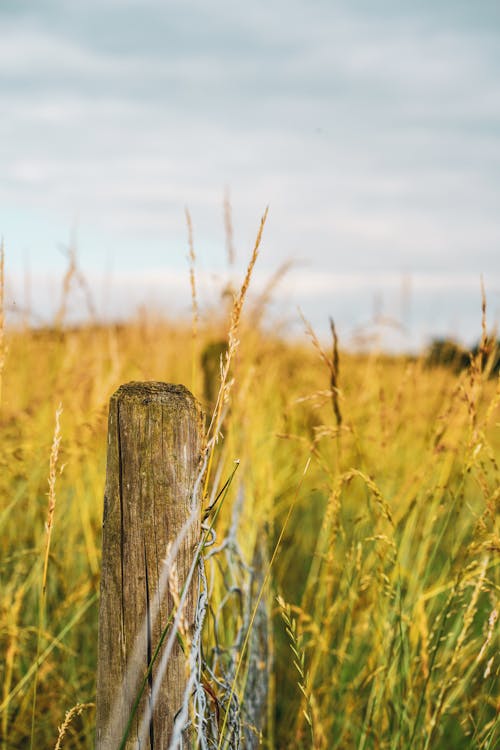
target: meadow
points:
(374, 479)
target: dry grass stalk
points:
(450, 671)
(192, 262)
(240, 298)
(481, 360)
(379, 500)
(315, 341)
(54, 456)
(483, 347)
(2, 314)
(295, 641)
(175, 592)
(14, 632)
(423, 630)
(260, 594)
(331, 362)
(70, 715)
(265, 296)
(491, 626)
(73, 273)
(195, 312)
(226, 383)
(228, 226)
(334, 374)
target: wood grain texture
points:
(154, 443)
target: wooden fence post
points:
(154, 444)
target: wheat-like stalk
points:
(240, 297)
(296, 643)
(315, 342)
(228, 226)
(483, 347)
(334, 374)
(233, 343)
(14, 632)
(54, 456)
(70, 715)
(450, 671)
(195, 312)
(265, 296)
(73, 273)
(491, 626)
(2, 315)
(175, 592)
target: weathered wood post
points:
(154, 444)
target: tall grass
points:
(386, 560)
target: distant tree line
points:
(445, 352)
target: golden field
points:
(383, 513)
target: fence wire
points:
(219, 694)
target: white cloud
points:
(373, 136)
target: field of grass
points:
(384, 590)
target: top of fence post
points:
(151, 527)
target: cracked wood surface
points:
(154, 444)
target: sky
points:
(371, 130)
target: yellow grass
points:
(387, 566)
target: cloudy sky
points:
(371, 129)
